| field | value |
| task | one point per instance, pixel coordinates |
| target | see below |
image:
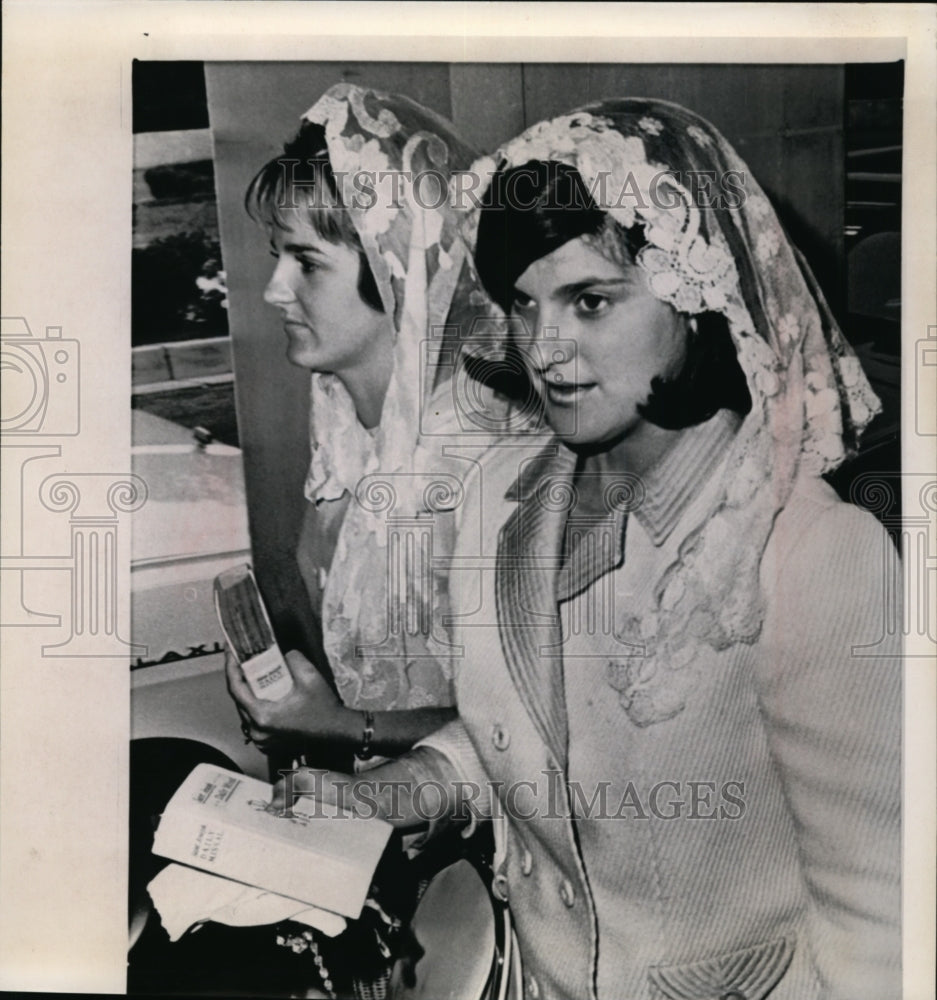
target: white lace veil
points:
(381, 612)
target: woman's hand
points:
(330, 787)
(386, 791)
(311, 711)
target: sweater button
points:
(568, 893)
(500, 737)
(533, 988)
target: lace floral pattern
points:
(651, 125)
(330, 469)
(381, 615)
(810, 397)
(686, 268)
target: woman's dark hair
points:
(301, 178)
(532, 210)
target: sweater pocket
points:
(747, 974)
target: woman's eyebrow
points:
(575, 287)
(302, 248)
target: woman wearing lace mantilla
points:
(378, 293)
(686, 721)
(376, 288)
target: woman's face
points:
(593, 336)
(329, 327)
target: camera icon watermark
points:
(40, 381)
(493, 369)
(925, 369)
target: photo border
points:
(66, 229)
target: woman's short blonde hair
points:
(301, 178)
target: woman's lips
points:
(567, 393)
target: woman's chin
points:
(564, 421)
(598, 440)
(301, 357)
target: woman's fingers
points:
(245, 703)
(312, 686)
(308, 781)
(311, 710)
(307, 675)
(299, 665)
(238, 687)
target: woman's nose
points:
(278, 292)
(549, 351)
(546, 347)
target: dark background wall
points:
(787, 122)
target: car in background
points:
(192, 527)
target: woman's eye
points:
(306, 265)
(522, 302)
(591, 302)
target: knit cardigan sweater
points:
(750, 844)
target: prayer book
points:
(249, 634)
(222, 822)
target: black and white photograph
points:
(499, 561)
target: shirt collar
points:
(668, 486)
(675, 480)
(554, 459)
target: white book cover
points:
(220, 822)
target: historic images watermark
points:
(465, 191)
(496, 405)
(907, 591)
(490, 375)
(547, 797)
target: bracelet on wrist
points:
(366, 752)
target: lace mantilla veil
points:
(381, 611)
(725, 252)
